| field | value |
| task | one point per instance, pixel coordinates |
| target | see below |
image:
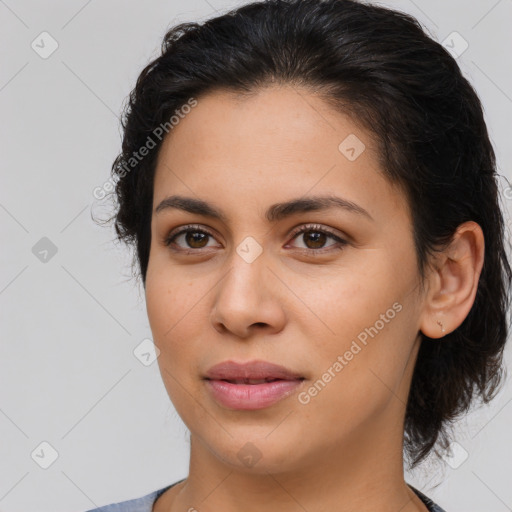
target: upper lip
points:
(229, 370)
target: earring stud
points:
(441, 325)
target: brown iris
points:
(195, 239)
(316, 237)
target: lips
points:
(253, 372)
(251, 386)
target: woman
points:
(311, 191)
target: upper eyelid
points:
(313, 227)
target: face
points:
(330, 293)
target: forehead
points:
(277, 142)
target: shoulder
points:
(432, 507)
(142, 504)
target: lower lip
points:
(251, 396)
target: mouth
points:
(243, 395)
(251, 381)
(252, 371)
(250, 386)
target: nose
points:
(248, 299)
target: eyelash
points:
(168, 241)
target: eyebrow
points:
(275, 212)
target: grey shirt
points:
(145, 503)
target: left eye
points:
(317, 237)
(197, 238)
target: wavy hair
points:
(379, 66)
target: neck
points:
(365, 473)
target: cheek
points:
(169, 313)
(338, 307)
(159, 305)
(355, 383)
(169, 300)
(367, 323)
(176, 309)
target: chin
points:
(254, 452)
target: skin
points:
(342, 450)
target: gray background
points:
(70, 324)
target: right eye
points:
(195, 238)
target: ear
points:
(453, 282)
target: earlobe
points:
(453, 282)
